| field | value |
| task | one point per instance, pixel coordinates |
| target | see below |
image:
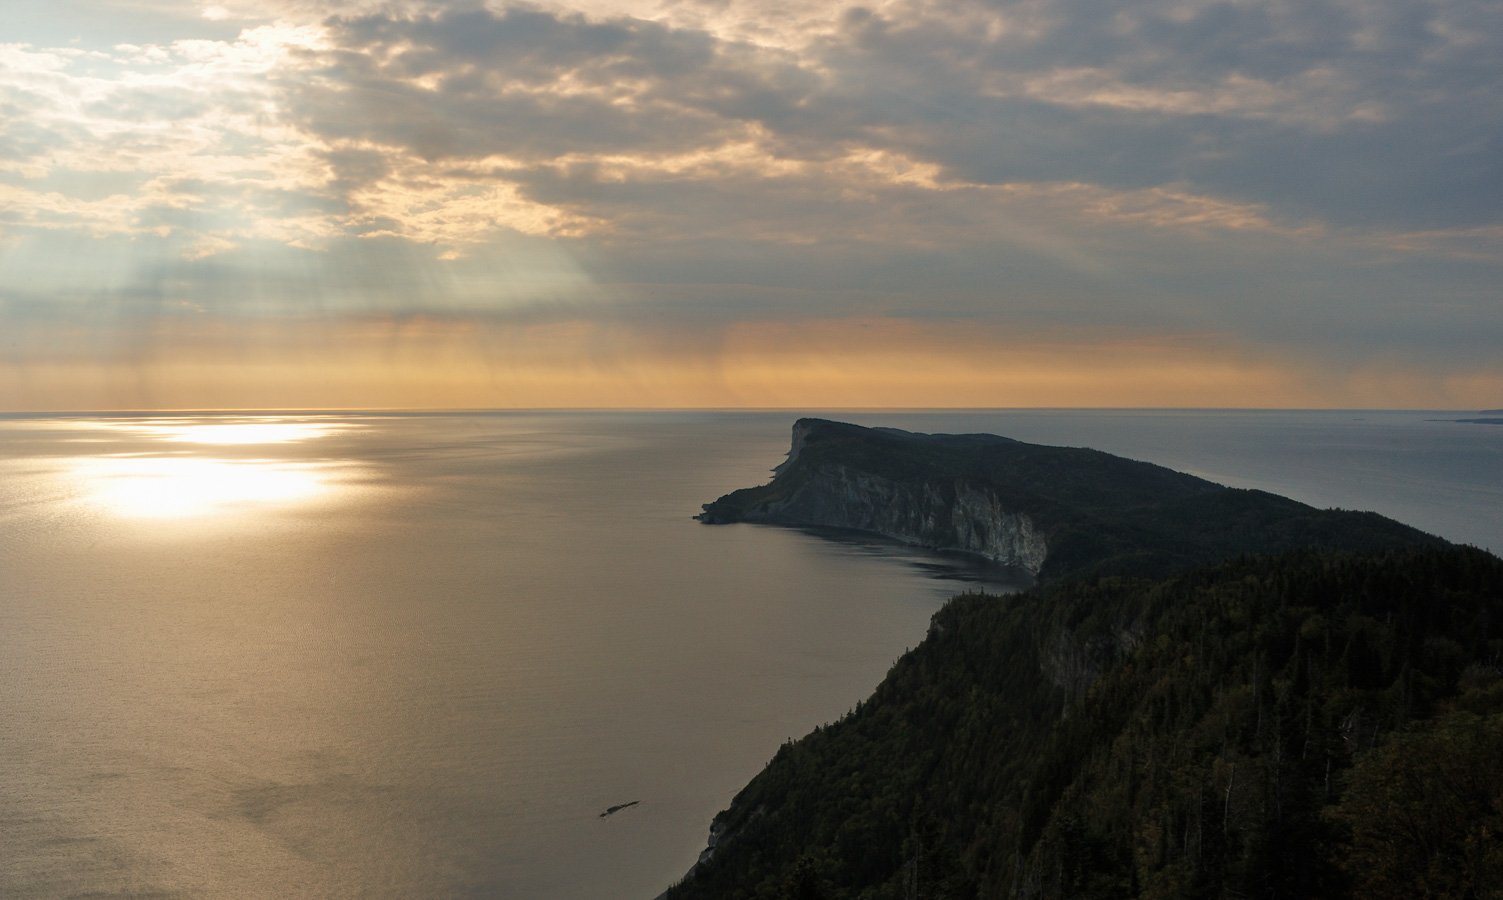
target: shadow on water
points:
(966, 571)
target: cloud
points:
(1319, 176)
(1322, 115)
(188, 128)
(448, 124)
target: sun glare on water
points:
(145, 484)
(167, 487)
(257, 432)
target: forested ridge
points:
(1313, 724)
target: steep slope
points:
(1311, 725)
(1053, 511)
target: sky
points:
(750, 203)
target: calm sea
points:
(403, 656)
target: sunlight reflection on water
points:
(240, 432)
(175, 487)
(152, 474)
(405, 656)
(258, 430)
(408, 656)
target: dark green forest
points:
(1310, 724)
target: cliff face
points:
(940, 515)
(1052, 511)
(937, 513)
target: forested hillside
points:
(1308, 725)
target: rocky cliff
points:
(940, 515)
(1051, 511)
(936, 513)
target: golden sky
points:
(301, 203)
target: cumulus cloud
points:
(1263, 168)
(443, 123)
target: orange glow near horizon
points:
(430, 364)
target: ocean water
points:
(400, 656)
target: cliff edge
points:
(1053, 511)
